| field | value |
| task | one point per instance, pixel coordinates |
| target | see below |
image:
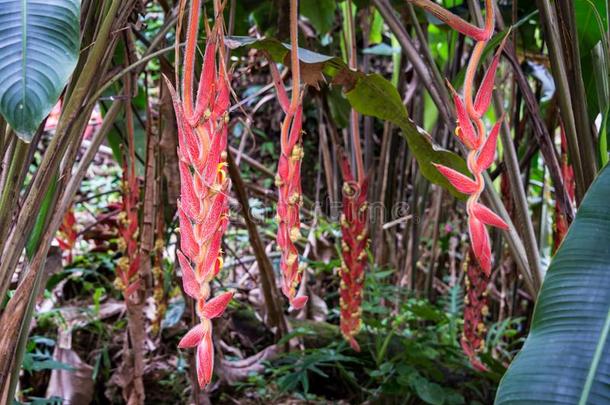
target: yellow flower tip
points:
(297, 153)
(291, 259)
(294, 198)
(295, 234)
(278, 181)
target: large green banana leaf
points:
(566, 357)
(39, 45)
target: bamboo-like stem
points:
(438, 201)
(134, 300)
(294, 54)
(437, 90)
(425, 49)
(10, 190)
(6, 158)
(17, 306)
(98, 56)
(583, 170)
(566, 20)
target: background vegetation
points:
(68, 167)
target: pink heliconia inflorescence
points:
(127, 278)
(203, 204)
(354, 231)
(481, 146)
(475, 311)
(66, 234)
(290, 198)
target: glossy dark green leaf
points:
(566, 357)
(39, 46)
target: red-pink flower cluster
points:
(475, 311)
(354, 231)
(290, 199)
(203, 204)
(127, 279)
(471, 132)
(481, 148)
(66, 234)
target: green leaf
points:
(369, 95)
(591, 24)
(321, 14)
(589, 14)
(429, 392)
(375, 96)
(566, 357)
(376, 33)
(39, 47)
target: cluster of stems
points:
(288, 178)
(475, 311)
(203, 204)
(481, 148)
(354, 231)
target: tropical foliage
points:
(288, 201)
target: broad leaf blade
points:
(373, 95)
(566, 357)
(39, 45)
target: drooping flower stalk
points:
(472, 133)
(354, 231)
(354, 219)
(475, 311)
(203, 205)
(288, 178)
(481, 148)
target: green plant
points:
(564, 356)
(39, 75)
